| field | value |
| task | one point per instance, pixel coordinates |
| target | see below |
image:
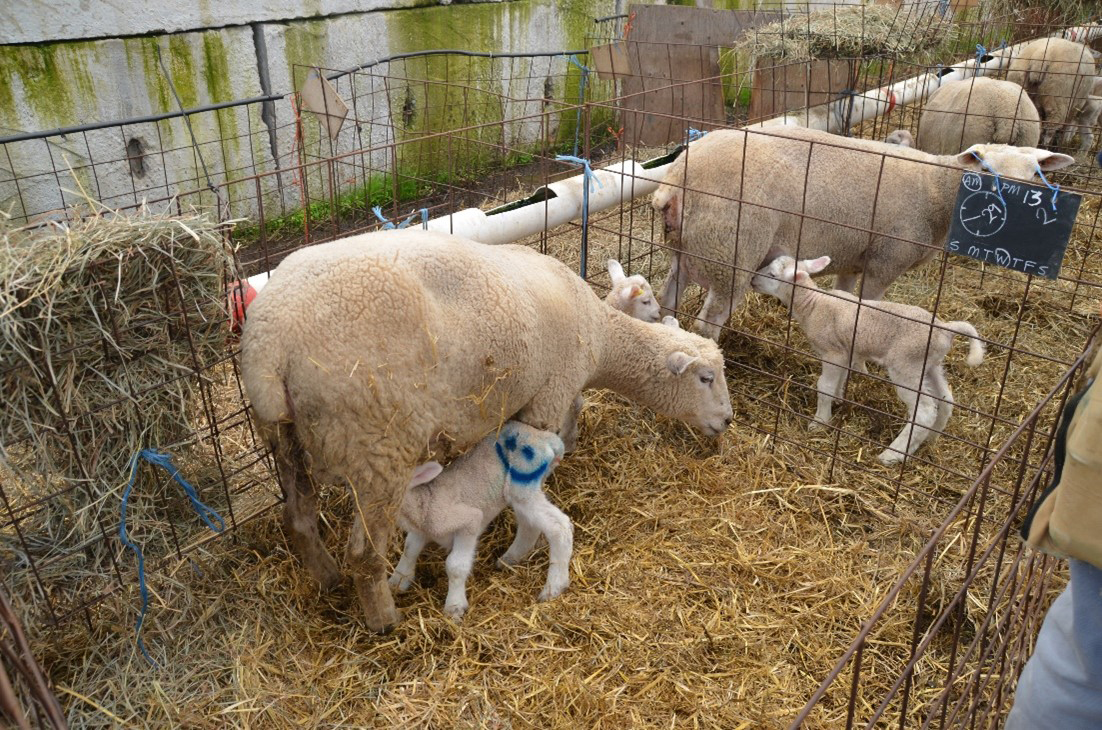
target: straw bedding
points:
(715, 582)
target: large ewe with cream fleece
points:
(977, 111)
(365, 357)
(1058, 75)
(453, 507)
(735, 198)
(846, 332)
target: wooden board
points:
(671, 51)
(779, 87)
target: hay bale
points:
(851, 31)
(106, 323)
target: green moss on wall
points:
(54, 79)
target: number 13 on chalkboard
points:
(1014, 224)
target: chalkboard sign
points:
(1013, 224)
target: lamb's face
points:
(528, 454)
(700, 397)
(634, 297)
(776, 278)
(1021, 163)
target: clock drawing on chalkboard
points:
(983, 214)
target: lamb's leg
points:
(917, 430)
(458, 567)
(300, 509)
(545, 517)
(403, 573)
(945, 407)
(523, 543)
(676, 282)
(831, 382)
(377, 495)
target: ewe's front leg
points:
(403, 573)
(676, 282)
(458, 567)
(536, 510)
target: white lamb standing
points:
(1087, 119)
(453, 507)
(632, 295)
(365, 357)
(809, 193)
(846, 332)
(1058, 75)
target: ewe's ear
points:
(678, 362)
(615, 270)
(814, 266)
(1049, 161)
(671, 321)
(425, 473)
(972, 158)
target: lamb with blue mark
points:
(452, 507)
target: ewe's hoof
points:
(818, 425)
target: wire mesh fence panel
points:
(485, 144)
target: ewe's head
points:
(777, 277)
(693, 387)
(527, 454)
(632, 295)
(1021, 163)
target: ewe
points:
(364, 357)
(846, 332)
(740, 199)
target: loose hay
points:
(851, 31)
(107, 323)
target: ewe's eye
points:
(707, 378)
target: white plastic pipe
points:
(624, 181)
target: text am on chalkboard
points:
(1014, 224)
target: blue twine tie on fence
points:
(1054, 188)
(695, 134)
(389, 225)
(581, 96)
(212, 519)
(998, 180)
(588, 178)
(943, 7)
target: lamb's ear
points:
(615, 271)
(425, 473)
(1049, 161)
(678, 362)
(671, 321)
(636, 291)
(814, 266)
(802, 277)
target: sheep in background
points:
(1087, 119)
(812, 207)
(365, 357)
(977, 111)
(453, 507)
(632, 295)
(846, 332)
(1058, 75)
(901, 138)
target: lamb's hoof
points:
(552, 591)
(890, 457)
(400, 583)
(818, 425)
(455, 611)
(504, 563)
